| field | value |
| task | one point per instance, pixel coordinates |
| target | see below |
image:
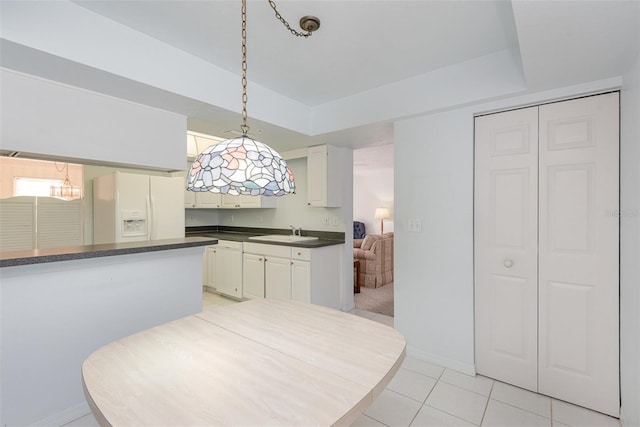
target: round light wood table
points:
(256, 363)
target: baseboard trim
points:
(445, 362)
(64, 417)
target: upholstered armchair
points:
(375, 254)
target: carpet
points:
(378, 300)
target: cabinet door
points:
(278, 278)
(210, 267)
(317, 176)
(301, 281)
(324, 183)
(199, 199)
(253, 276)
(247, 202)
(189, 199)
(229, 271)
(229, 202)
(206, 199)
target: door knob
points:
(508, 263)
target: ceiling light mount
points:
(310, 23)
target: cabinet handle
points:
(508, 263)
(291, 262)
(259, 259)
(308, 203)
(299, 253)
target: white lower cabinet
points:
(266, 271)
(277, 278)
(301, 281)
(209, 267)
(299, 274)
(252, 276)
(223, 268)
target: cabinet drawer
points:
(303, 254)
(267, 250)
(229, 244)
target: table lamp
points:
(382, 214)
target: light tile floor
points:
(424, 394)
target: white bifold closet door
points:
(506, 246)
(546, 249)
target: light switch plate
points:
(414, 225)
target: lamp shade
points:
(382, 213)
(241, 166)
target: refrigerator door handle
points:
(149, 218)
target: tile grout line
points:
(484, 413)
(523, 409)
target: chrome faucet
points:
(296, 231)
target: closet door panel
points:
(578, 252)
(505, 216)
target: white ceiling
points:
(360, 44)
(318, 90)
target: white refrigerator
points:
(131, 207)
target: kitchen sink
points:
(283, 238)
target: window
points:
(39, 187)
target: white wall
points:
(54, 315)
(47, 118)
(630, 247)
(372, 188)
(434, 269)
(201, 217)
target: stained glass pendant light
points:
(242, 165)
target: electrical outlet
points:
(259, 219)
(334, 221)
(326, 220)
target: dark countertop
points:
(195, 236)
(39, 256)
(242, 234)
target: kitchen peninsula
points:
(59, 306)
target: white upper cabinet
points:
(198, 200)
(206, 199)
(323, 177)
(239, 202)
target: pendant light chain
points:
(286, 24)
(244, 128)
(242, 165)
